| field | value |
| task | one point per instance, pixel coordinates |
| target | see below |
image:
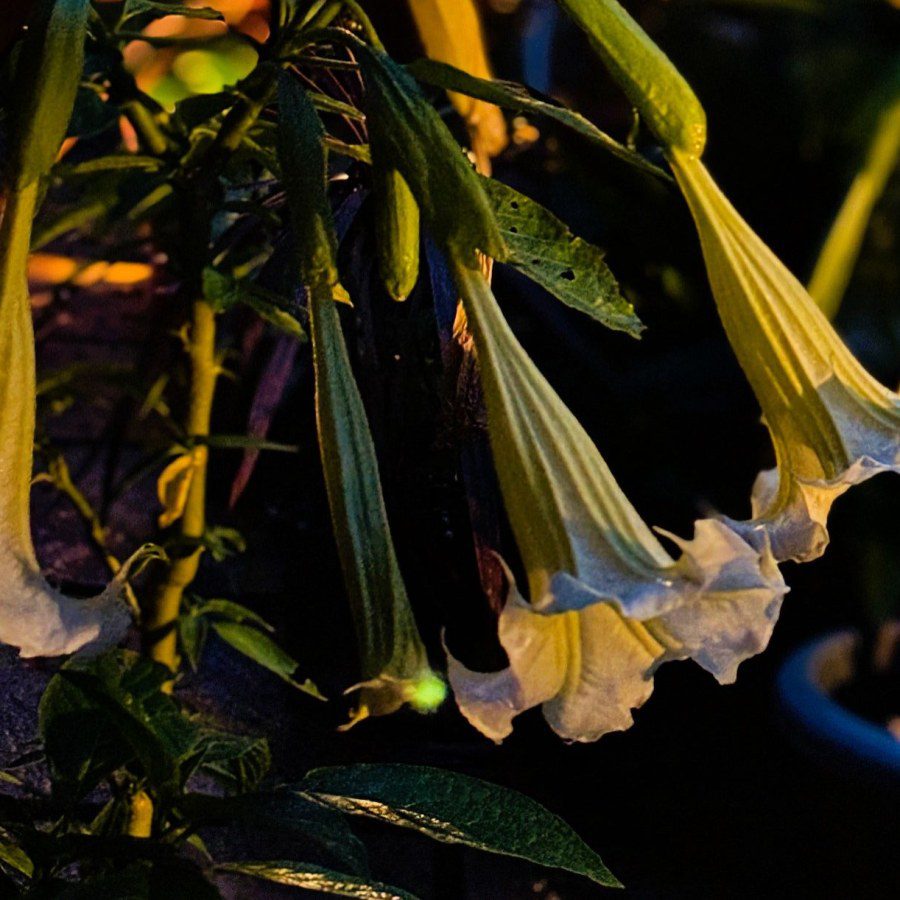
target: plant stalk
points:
(140, 815)
(160, 625)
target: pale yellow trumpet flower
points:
(608, 604)
(831, 423)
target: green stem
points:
(840, 251)
(140, 815)
(166, 607)
(148, 131)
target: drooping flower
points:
(832, 424)
(35, 617)
(607, 602)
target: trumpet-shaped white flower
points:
(832, 424)
(34, 617)
(607, 602)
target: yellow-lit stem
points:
(140, 816)
(167, 603)
(841, 248)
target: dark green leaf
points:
(237, 762)
(315, 878)
(246, 442)
(222, 542)
(192, 632)
(136, 14)
(97, 715)
(301, 154)
(264, 651)
(12, 855)
(457, 809)
(518, 97)
(223, 291)
(407, 134)
(44, 87)
(232, 611)
(114, 162)
(284, 813)
(543, 248)
(201, 108)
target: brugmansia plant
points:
(245, 194)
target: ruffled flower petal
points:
(832, 424)
(608, 603)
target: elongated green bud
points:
(652, 83)
(397, 227)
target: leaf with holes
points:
(543, 248)
(457, 809)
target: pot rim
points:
(803, 686)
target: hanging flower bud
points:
(607, 602)
(393, 658)
(831, 423)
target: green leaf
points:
(510, 95)
(232, 611)
(543, 248)
(304, 168)
(44, 87)
(287, 814)
(99, 715)
(457, 809)
(222, 542)
(265, 652)
(245, 442)
(316, 878)
(237, 762)
(407, 134)
(224, 291)
(192, 632)
(114, 162)
(136, 14)
(12, 855)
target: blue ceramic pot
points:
(824, 728)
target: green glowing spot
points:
(427, 694)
